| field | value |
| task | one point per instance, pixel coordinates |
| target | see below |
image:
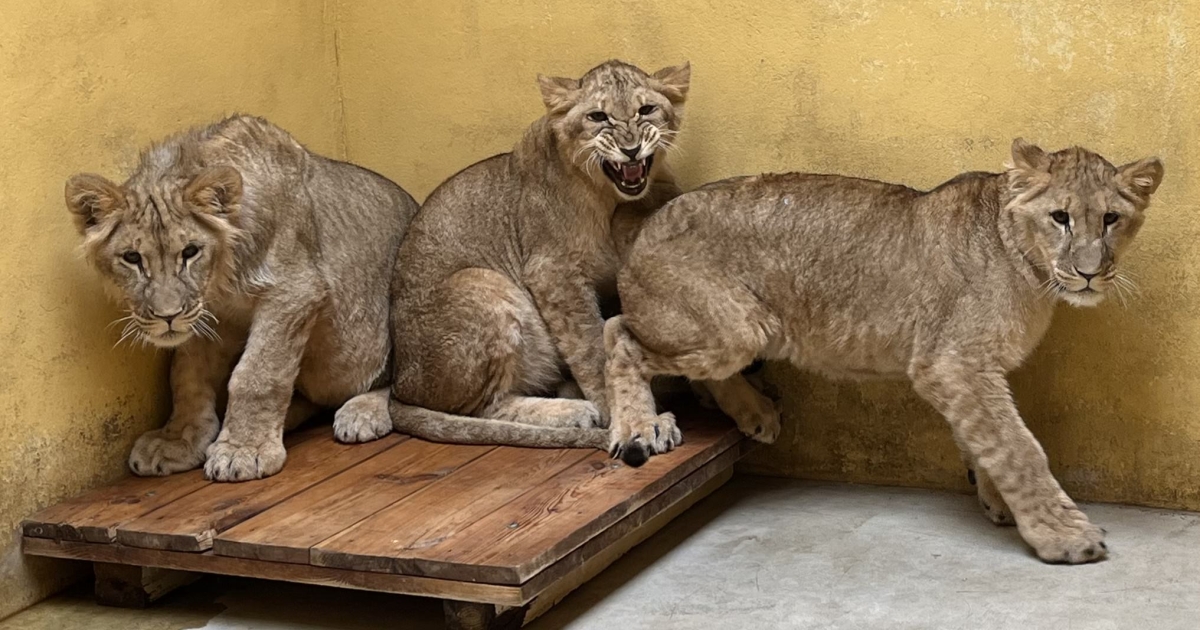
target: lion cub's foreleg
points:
(199, 369)
(570, 307)
(250, 445)
(637, 430)
(979, 407)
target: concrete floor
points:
(764, 553)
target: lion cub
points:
(497, 286)
(953, 287)
(266, 267)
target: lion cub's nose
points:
(632, 152)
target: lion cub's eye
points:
(646, 110)
(132, 257)
(190, 251)
(597, 117)
(1060, 216)
(1111, 218)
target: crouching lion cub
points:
(266, 268)
(953, 287)
(497, 287)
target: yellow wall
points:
(83, 85)
(913, 92)
(902, 91)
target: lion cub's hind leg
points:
(363, 418)
(994, 506)
(756, 415)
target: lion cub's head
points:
(1074, 215)
(160, 242)
(613, 122)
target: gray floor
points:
(767, 553)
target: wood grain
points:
(95, 516)
(532, 532)
(287, 531)
(190, 525)
(206, 562)
(383, 541)
(509, 542)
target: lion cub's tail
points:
(437, 426)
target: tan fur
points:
(952, 288)
(282, 302)
(496, 296)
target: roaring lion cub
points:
(266, 267)
(953, 287)
(497, 286)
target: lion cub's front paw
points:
(636, 441)
(229, 460)
(1065, 537)
(162, 452)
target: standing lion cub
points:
(953, 287)
(266, 267)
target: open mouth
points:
(630, 177)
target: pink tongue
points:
(631, 171)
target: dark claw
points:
(635, 454)
(971, 476)
(656, 433)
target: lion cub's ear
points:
(217, 190)
(90, 198)
(673, 81)
(1027, 156)
(1030, 166)
(558, 93)
(1141, 178)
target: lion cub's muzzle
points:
(168, 330)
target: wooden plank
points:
(439, 511)
(95, 516)
(534, 596)
(286, 532)
(206, 562)
(537, 528)
(602, 550)
(190, 525)
(512, 544)
(127, 586)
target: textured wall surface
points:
(900, 91)
(83, 85)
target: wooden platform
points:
(499, 533)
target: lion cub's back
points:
(780, 214)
